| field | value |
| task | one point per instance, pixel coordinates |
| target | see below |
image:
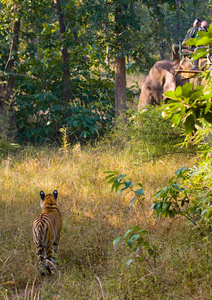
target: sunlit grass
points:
(88, 266)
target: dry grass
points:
(89, 267)
(135, 78)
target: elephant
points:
(162, 77)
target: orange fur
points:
(46, 231)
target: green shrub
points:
(147, 135)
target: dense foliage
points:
(90, 30)
(147, 135)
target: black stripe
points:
(51, 208)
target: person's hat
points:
(197, 21)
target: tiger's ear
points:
(55, 193)
(42, 195)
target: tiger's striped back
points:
(46, 231)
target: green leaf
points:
(151, 252)
(208, 107)
(207, 94)
(130, 243)
(202, 33)
(203, 41)
(111, 179)
(198, 54)
(109, 176)
(139, 192)
(176, 187)
(143, 231)
(146, 244)
(136, 249)
(157, 206)
(128, 231)
(129, 262)
(176, 119)
(132, 201)
(170, 94)
(208, 117)
(122, 175)
(182, 170)
(116, 241)
(158, 216)
(178, 91)
(187, 89)
(195, 95)
(172, 214)
(151, 207)
(158, 194)
(189, 124)
(128, 184)
(191, 42)
(135, 237)
(165, 205)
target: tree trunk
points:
(120, 86)
(13, 55)
(7, 91)
(65, 56)
(120, 68)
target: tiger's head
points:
(50, 199)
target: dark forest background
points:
(59, 61)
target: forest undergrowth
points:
(89, 267)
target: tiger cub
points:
(46, 231)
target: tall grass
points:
(88, 266)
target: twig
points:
(146, 260)
(8, 57)
(192, 221)
(140, 279)
(150, 273)
(25, 292)
(16, 291)
(100, 286)
(5, 260)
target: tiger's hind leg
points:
(44, 270)
(43, 267)
(55, 246)
(48, 258)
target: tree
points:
(65, 55)
(8, 89)
(120, 85)
(120, 65)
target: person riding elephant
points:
(195, 64)
(162, 77)
(191, 33)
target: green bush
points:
(147, 134)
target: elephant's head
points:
(161, 78)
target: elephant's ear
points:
(168, 81)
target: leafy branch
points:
(189, 105)
(136, 238)
(173, 200)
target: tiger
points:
(46, 231)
